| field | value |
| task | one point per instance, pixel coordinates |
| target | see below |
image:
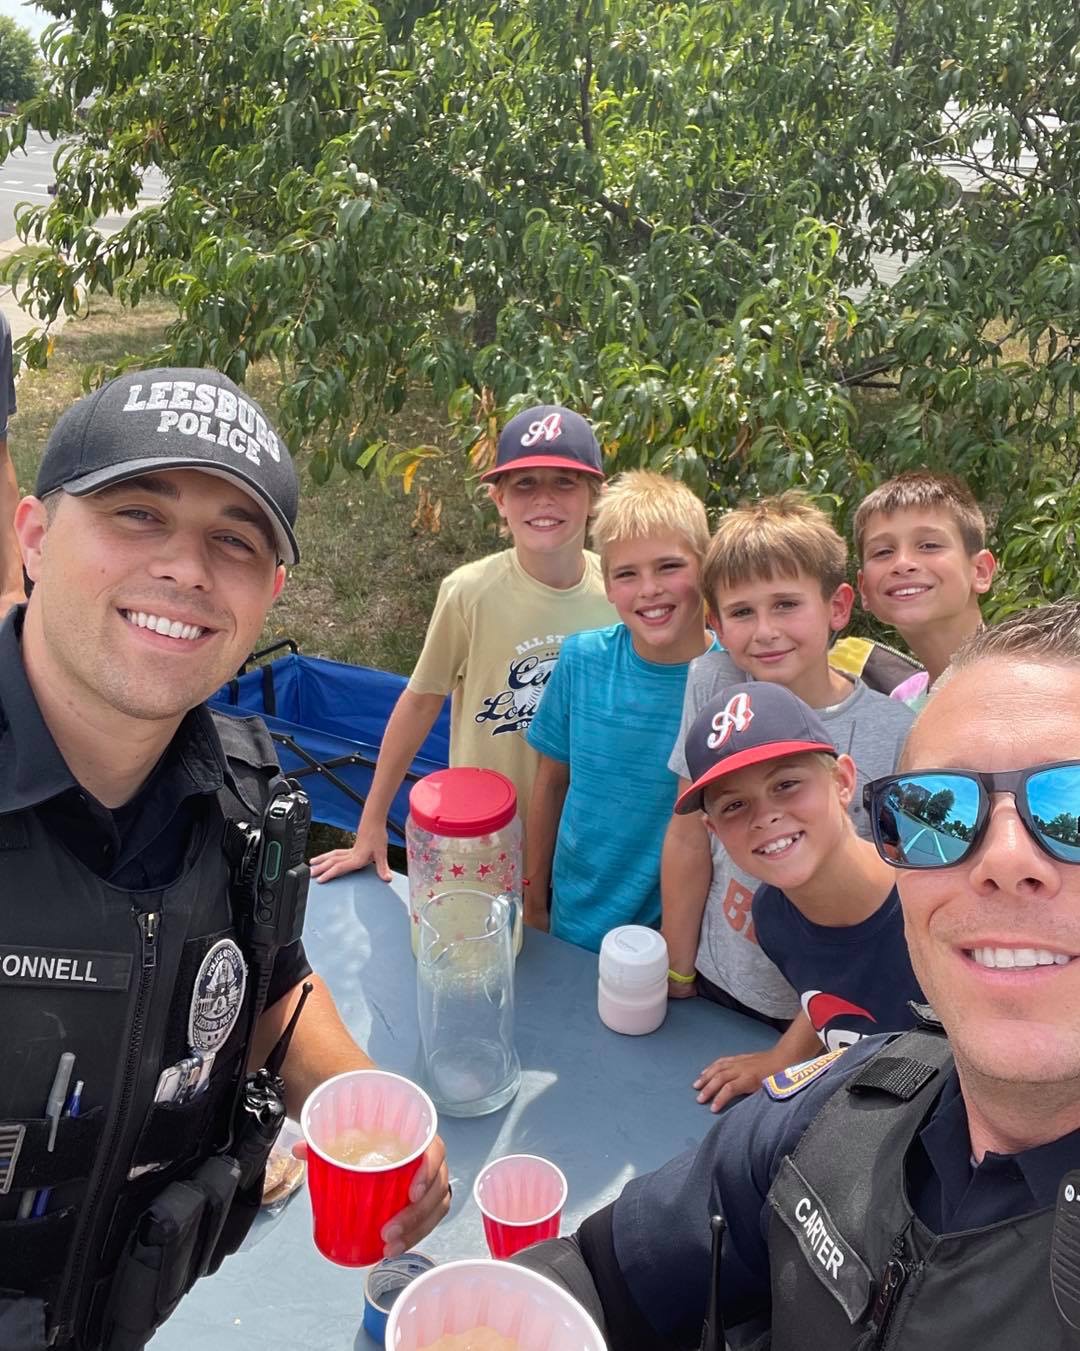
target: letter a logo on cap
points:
(736, 716)
(547, 429)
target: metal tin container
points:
(384, 1283)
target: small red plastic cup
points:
(521, 1198)
(350, 1203)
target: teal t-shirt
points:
(613, 718)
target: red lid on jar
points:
(463, 801)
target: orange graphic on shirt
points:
(737, 910)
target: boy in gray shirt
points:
(775, 584)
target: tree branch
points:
(898, 41)
(586, 114)
(638, 224)
(879, 366)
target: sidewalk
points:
(20, 321)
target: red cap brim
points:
(693, 799)
(542, 462)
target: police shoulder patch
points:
(787, 1083)
(217, 997)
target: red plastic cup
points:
(521, 1198)
(350, 1203)
(457, 1297)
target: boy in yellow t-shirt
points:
(498, 623)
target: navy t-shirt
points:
(852, 980)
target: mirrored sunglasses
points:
(936, 818)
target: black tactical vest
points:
(111, 976)
(853, 1267)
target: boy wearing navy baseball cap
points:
(498, 624)
(775, 792)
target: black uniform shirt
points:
(653, 1244)
(141, 845)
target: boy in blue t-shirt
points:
(609, 715)
(775, 792)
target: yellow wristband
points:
(680, 979)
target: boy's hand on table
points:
(733, 1075)
(370, 847)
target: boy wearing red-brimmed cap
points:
(775, 792)
(498, 623)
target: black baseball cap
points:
(547, 437)
(174, 418)
(747, 725)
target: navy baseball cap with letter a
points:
(547, 437)
(174, 418)
(747, 725)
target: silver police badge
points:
(217, 997)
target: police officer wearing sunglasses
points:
(917, 1192)
(138, 977)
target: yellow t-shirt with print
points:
(492, 643)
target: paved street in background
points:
(25, 177)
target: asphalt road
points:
(26, 175)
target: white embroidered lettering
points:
(736, 716)
(181, 394)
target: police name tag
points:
(65, 968)
(831, 1258)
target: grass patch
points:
(370, 567)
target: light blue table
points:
(602, 1106)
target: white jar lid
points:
(633, 957)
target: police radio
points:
(269, 875)
(269, 890)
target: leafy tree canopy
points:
(669, 215)
(20, 64)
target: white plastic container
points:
(632, 994)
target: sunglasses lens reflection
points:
(928, 820)
(1054, 802)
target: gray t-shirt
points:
(868, 726)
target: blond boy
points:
(923, 564)
(498, 624)
(774, 580)
(609, 715)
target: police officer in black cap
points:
(918, 1192)
(130, 989)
